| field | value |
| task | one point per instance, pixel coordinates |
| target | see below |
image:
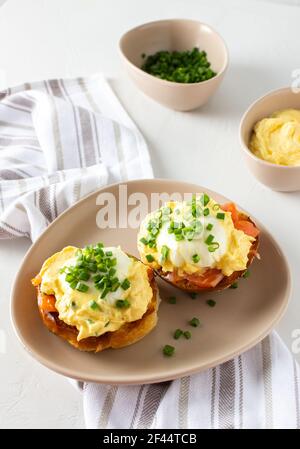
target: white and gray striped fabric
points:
(59, 141)
(256, 390)
(62, 139)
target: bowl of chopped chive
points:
(177, 62)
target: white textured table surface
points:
(59, 38)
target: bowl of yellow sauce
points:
(270, 139)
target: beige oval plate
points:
(240, 319)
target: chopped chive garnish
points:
(194, 322)
(196, 258)
(246, 274)
(187, 66)
(234, 285)
(164, 253)
(90, 321)
(69, 277)
(106, 324)
(177, 334)
(213, 247)
(144, 240)
(122, 303)
(209, 226)
(220, 215)
(94, 305)
(97, 278)
(104, 293)
(204, 199)
(149, 257)
(216, 207)
(187, 335)
(206, 212)
(96, 263)
(172, 300)
(83, 276)
(193, 295)
(73, 284)
(209, 239)
(82, 287)
(125, 284)
(211, 303)
(168, 350)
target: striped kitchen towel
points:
(59, 141)
(256, 390)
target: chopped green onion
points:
(246, 274)
(94, 305)
(206, 212)
(204, 199)
(73, 285)
(69, 277)
(109, 253)
(220, 215)
(164, 252)
(194, 322)
(209, 226)
(172, 300)
(193, 295)
(213, 247)
(82, 287)
(216, 207)
(177, 334)
(97, 277)
(92, 267)
(196, 258)
(125, 284)
(73, 304)
(115, 286)
(209, 239)
(112, 272)
(104, 293)
(149, 257)
(106, 324)
(187, 335)
(211, 303)
(234, 285)
(144, 241)
(188, 66)
(122, 303)
(83, 276)
(168, 350)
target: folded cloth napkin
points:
(59, 141)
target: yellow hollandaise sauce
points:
(191, 236)
(97, 289)
(276, 139)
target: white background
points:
(66, 38)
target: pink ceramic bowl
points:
(173, 34)
(277, 177)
